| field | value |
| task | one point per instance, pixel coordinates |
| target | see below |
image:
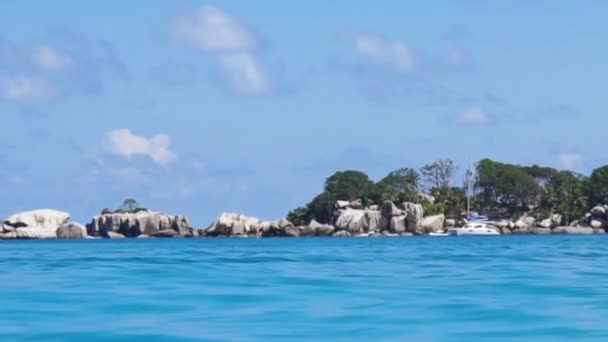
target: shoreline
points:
(349, 219)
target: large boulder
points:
(556, 220)
(229, 224)
(372, 220)
(397, 224)
(414, 213)
(450, 223)
(352, 220)
(431, 224)
(598, 211)
(71, 230)
(540, 231)
(389, 209)
(134, 224)
(341, 204)
(321, 229)
(573, 230)
(546, 223)
(35, 224)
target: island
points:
(406, 202)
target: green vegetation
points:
(129, 205)
(500, 190)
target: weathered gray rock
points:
(341, 233)
(529, 221)
(342, 204)
(506, 231)
(539, 231)
(307, 231)
(598, 211)
(432, 224)
(292, 231)
(520, 231)
(573, 230)
(372, 219)
(511, 225)
(414, 214)
(166, 233)
(599, 231)
(546, 223)
(35, 224)
(38, 218)
(352, 220)
(397, 224)
(502, 224)
(597, 223)
(134, 224)
(389, 209)
(284, 223)
(113, 235)
(356, 204)
(556, 220)
(406, 234)
(450, 223)
(374, 207)
(71, 230)
(520, 224)
(321, 229)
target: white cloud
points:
(123, 143)
(571, 161)
(216, 32)
(25, 89)
(49, 58)
(211, 29)
(244, 73)
(473, 115)
(396, 54)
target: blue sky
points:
(197, 107)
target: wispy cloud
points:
(40, 72)
(123, 143)
(25, 89)
(233, 45)
(375, 49)
(473, 115)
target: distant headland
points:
(515, 199)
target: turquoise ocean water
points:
(513, 288)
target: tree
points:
(398, 186)
(598, 186)
(565, 194)
(349, 185)
(130, 205)
(299, 216)
(505, 188)
(438, 174)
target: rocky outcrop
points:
(321, 229)
(135, 224)
(35, 224)
(573, 230)
(352, 220)
(432, 224)
(229, 224)
(72, 230)
(414, 213)
(115, 236)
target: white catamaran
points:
(476, 224)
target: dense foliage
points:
(500, 190)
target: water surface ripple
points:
(513, 288)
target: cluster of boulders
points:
(142, 224)
(41, 224)
(554, 224)
(54, 224)
(350, 218)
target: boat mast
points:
(468, 182)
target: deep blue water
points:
(510, 288)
